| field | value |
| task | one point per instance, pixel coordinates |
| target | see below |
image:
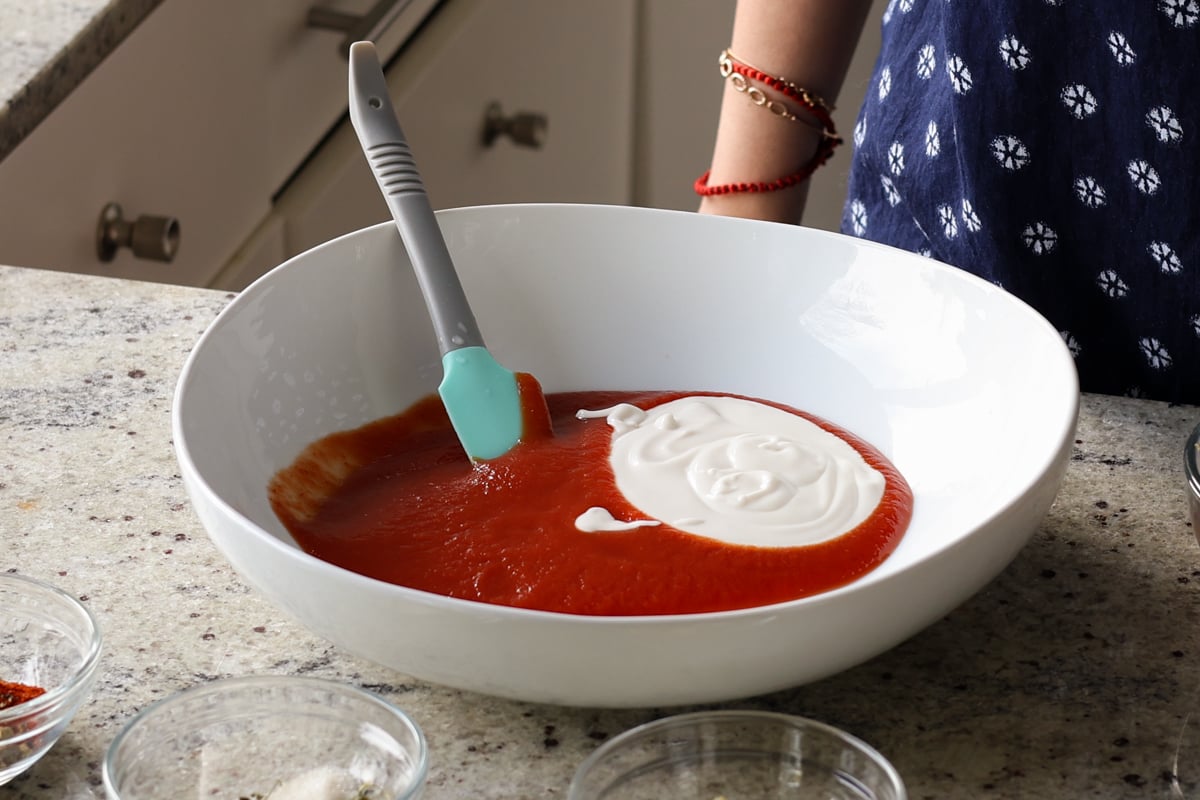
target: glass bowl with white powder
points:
(268, 738)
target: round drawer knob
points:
(525, 128)
(149, 237)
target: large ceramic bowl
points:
(970, 393)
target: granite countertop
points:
(47, 48)
(1071, 675)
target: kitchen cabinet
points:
(200, 115)
(570, 65)
(229, 117)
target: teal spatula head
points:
(481, 397)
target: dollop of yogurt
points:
(601, 519)
(739, 471)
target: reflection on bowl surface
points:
(736, 754)
(969, 393)
(268, 736)
(48, 641)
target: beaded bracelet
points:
(824, 151)
(739, 72)
(759, 98)
(732, 69)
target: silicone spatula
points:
(480, 395)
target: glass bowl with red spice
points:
(268, 737)
(49, 648)
(739, 755)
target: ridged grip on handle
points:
(392, 163)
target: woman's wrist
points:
(767, 143)
(753, 147)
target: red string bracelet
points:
(813, 103)
(824, 151)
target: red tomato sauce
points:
(397, 500)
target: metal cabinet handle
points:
(526, 128)
(357, 27)
(149, 237)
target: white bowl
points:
(970, 393)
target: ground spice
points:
(12, 694)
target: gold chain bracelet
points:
(742, 77)
(759, 98)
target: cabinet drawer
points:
(201, 115)
(571, 62)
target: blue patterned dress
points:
(1052, 147)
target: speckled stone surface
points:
(1071, 675)
(47, 47)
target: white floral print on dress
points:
(1090, 192)
(1182, 13)
(1144, 176)
(1156, 355)
(1079, 100)
(1103, 207)
(1165, 256)
(860, 131)
(1010, 152)
(1111, 284)
(858, 217)
(948, 220)
(1071, 342)
(890, 192)
(1121, 50)
(885, 82)
(1039, 237)
(1165, 124)
(960, 75)
(971, 220)
(1014, 54)
(926, 62)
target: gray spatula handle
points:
(374, 120)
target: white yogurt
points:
(601, 519)
(739, 471)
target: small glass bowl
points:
(268, 736)
(738, 755)
(50, 640)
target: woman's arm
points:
(808, 42)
